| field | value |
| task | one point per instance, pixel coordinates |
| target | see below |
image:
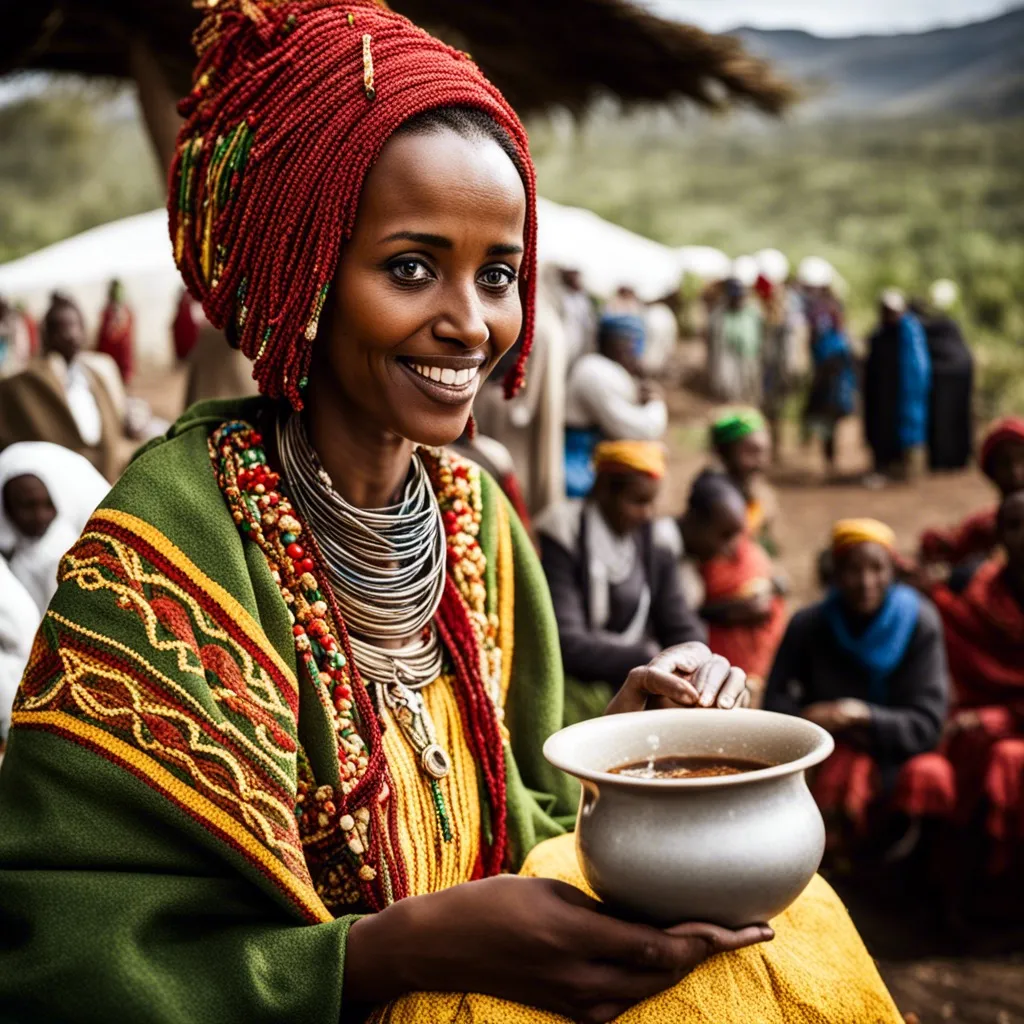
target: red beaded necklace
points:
(347, 829)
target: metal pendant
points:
(436, 761)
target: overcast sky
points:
(832, 17)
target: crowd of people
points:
(276, 750)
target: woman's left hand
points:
(687, 675)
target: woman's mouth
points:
(450, 380)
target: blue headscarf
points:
(882, 646)
(630, 325)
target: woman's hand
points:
(838, 715)
(687, 675)
(532, 940)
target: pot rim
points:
(824, 746)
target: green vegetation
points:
(888, 202)
(70, 159)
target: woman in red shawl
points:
(985, 640)
(117, 331)
(743, 602)
(1002, 461)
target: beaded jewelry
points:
(346, 830)
(291, 104)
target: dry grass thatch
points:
(541, 53)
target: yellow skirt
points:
(815, 971)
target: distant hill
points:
(971, 69)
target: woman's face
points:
(1008, 467)
(626, 500)
(863, 575)
(426, 297)
(28, 505)
(748, 457)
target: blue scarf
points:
(882, 646)
(915, 382)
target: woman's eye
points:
(497, 277)
(409, 271)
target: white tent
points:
(138, 251)
(606, 254)
(705, 262)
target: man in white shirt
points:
(608, 400)
(69, 397)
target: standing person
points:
(661, 336)
(734, 347)
(68, 397)
(983, 614)
(283, 727)
(1002, 460)
(897, 390)
(531, 425)
(47, 494)
(15, 339)
(779, 339)
(950, 411)
(116, 336)
(579, 317)
(185, 328)
(833, 389)
(608, 400)
(615, 585)
(869, 665)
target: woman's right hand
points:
(534, 941)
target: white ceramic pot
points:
(733, 850)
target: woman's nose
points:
(462, 319)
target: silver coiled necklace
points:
(386, 568)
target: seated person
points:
(1002, 461)
(742, 447)
(869, 665)
(616, 588)
(984, 620)
(67, 396)
(47, 494)
(607, 399)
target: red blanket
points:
(976, 535)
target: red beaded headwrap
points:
(292, 102)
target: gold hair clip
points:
(371, 93)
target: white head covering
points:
(816, 272)
(19, 620)
(745, 270)
(893, 299)
(773, 265)
(943, 294)
(75, 487)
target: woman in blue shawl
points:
(833, 391)
(868, 664)
(897, 390)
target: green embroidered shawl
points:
(150, 868)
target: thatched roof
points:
(541, 53)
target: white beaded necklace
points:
(387, 570)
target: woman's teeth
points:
(453, 378)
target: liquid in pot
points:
(674, 766)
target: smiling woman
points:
(279, 743)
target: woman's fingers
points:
(723, 940)
(649, 681)
(710, 678)
(733, 689)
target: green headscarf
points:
(734, 426)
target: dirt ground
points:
(981, 982)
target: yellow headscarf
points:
(848, 533)
(636, 456)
